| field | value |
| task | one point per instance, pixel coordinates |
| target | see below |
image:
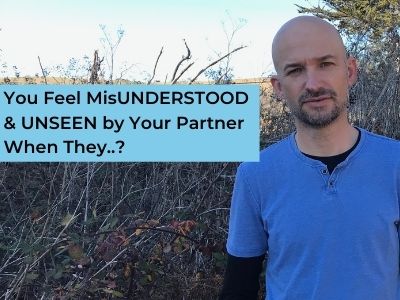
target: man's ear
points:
(351, 71)
(276, 85)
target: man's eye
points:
(326, 64)
(294, 71)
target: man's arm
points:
(247, 239)
(241, 280)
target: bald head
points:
(305, 35)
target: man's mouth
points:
(317, 99)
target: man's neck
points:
(331, 140)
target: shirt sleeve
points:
(247, 236)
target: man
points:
(323, 203)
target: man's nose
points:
(313, 81)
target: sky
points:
(59, 31)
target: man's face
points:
(313, 75)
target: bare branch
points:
(43, 72)
(122, 73)
(183, 71)
(155, 66)
(187, 57)
(215, 62)
(108, 263)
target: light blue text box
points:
(129, 144)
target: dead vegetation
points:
(133, 231)
(136, 230)
(142, 230)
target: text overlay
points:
(121, 123)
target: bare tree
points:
(223, 72)
(110, 46)
(230, 28)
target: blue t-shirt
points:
(328, 236)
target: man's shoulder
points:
(277, 152)
(380, 138)
(381, 142)
(277, 149)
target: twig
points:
(15, 251)
(122, 200)
(183, 71)
(107, 264)
(155, 65)
(211, 210)
(215, 62)
(85, 216)
(187, 57)
(18, 280)
(43, 72)
(161, 229)
(21, 282)
(210, 185)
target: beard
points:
(319, 117)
